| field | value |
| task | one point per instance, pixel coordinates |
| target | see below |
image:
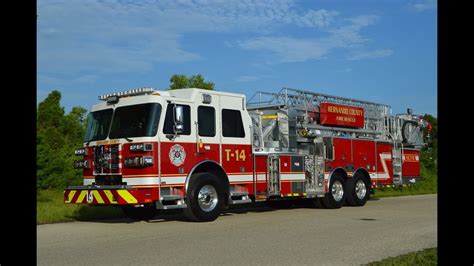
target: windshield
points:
(98, 124)
(135, 121)
(129, 121)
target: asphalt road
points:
(264, 236)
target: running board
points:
(314, 194)
(170, 202)
(239, 198)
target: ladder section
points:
(274, 185)
(307, 100)
(397, 163)
(310, 177)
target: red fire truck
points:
(201, 151)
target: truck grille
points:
(107, 159)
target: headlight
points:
(138, 161)
(137, 147)
(80, 151)
(147, 160)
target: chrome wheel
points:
(360, 189)
(337, 190)
(207, 198)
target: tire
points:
(357, 190)
(205, 198)
(335, 198)
(139, 213)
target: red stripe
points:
(104, 197)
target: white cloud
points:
(288, 49)
(370, 54)
(424, 5)
(132, 36)
(319, 19)
(291, 49)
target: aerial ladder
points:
(288, 120)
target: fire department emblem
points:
(177, 155)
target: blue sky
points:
(382, 51)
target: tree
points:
(179, 81)
(429, 155)
(50, 111)
(57, 136)
(74, 125)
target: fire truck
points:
(202, 151)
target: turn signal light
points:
(81, 164)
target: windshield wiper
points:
(129, 140)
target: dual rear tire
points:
(336, 196)
(354, 191)
(357, 190)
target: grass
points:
(51, 209)
(402, 191)
(425, 257)
(427, 185)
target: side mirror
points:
(178, 118)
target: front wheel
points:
(334, 199)
(205, 198)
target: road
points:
(263, 236)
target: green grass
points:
(425, 257)
(427, 185)
(51, 209)
(401, 191)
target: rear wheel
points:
(336, 197)
(205, 198)
(357, 190)
(139, 213)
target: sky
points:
(382, 51)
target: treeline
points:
(57, 136)
(429, 156)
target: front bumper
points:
(109, 195)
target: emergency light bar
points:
(138, 91)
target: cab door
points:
(207, 129)
(236, 151)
